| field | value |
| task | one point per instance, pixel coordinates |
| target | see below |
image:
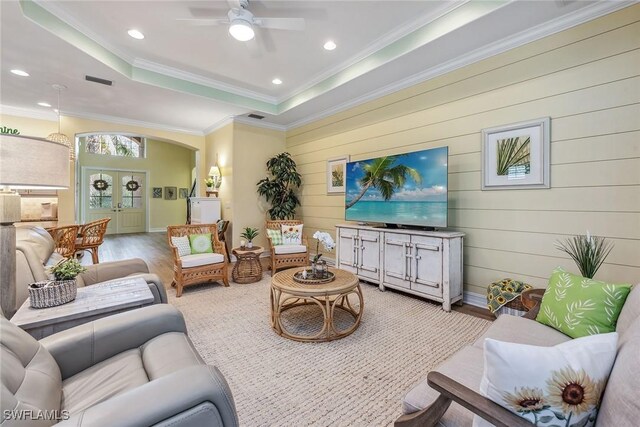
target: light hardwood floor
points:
(153, 249)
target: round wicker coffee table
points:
(286, 294)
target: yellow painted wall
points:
(72, 126)
(167, 165)
(587, 79)
(243, 151)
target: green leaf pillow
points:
(200, 243)
(577, 306)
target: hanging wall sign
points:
(9, 131)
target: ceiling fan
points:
(241, 21)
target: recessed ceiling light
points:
(330, 45)
(136, 34)
(276, 81)
(44, 104)
(20, 73)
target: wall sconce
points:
(215, 174)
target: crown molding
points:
(554, 26)
(30, 113)
(131, 122)
(245, 121)
(259, 123)
(375, 46)
(201, 80)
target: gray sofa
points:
(35, 250)
(457, 380)
(136, 368)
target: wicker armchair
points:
(222, 229)
(286, 260)
(64, 239)
(192, 269)
(91, 236)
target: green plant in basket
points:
(249, 233)
(66, 269)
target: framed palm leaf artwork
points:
(336, 174)
(516, 156)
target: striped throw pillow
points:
(275, 236)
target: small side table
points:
(247, 268)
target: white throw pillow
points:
(292, 234)
(182, 243)
(549, 386)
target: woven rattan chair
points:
(91, 236)
(64, 239)
(199, 272)
(298, 259)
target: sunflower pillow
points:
(549, 386)
(292, 234)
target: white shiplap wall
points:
(587, 79)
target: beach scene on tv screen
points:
(408, 189)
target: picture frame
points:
(517, 156)
(337, 174)
(183, 193)
(156, 192)
(170, 193)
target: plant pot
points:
(51, 293)
(250, 245)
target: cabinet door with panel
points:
(369, 254)
(426, 265)
(396, 268)
(347, 253)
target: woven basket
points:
(52, 293)
(513, 307)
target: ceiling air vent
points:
(256, 116)
(98, 80)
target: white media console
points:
(423, 263)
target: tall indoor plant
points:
(280, 189)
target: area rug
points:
(355, 381)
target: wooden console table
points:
(91, 303)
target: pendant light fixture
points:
(60, 137)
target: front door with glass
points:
(119, 195)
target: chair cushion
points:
(289, 249)
(620, 406)
(31, 378)
(522, 331)
(465, 367)
(160, 356)
(196, 260)
(100, 382)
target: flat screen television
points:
(404, 189)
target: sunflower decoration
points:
(573, 391)
(500, 299)
(525, 400)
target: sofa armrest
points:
(97, 273)
(79, 348)
(161, 399)
(451, 390)
(155, 286)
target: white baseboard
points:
(158, 230)
(474, 298)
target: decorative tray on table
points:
(311, 279)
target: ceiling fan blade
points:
(204, 22)
(234, 4)
(294, 24)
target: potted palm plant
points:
(249, 233)
(588, 252)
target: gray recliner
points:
(136, 368)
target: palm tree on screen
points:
(382, 175)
